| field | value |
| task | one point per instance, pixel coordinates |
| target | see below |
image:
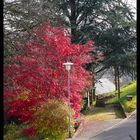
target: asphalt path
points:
(126, 130)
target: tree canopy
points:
(38, 74)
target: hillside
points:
(129, 89)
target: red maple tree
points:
(37, 72)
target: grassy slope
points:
(129, 89)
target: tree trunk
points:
(94, 97)
(132, 75)
(115, 80)
(91, 95)
(88, 99)
(73, 21)
(118, 81)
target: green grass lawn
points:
(129, 89)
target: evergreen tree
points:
(110, 23)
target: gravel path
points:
(90, 129)
(94, 124)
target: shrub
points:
(12, 132)
(76, 124)
(51, 120)
(29, 133)
(130, 105)
(100, 103)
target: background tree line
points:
(109, 23)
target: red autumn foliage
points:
(39, 69)
(29, 132)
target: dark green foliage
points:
(85, 103)
(110, 23)
(20, 17)
(100, 103)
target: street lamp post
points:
(68, 66)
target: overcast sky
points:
(131, 3)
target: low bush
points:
(130, 105)
(12, 132)
(100, 103)
(76, 124)
(85, 104)
(51, 120)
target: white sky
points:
(133, 5)
(132, 2)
